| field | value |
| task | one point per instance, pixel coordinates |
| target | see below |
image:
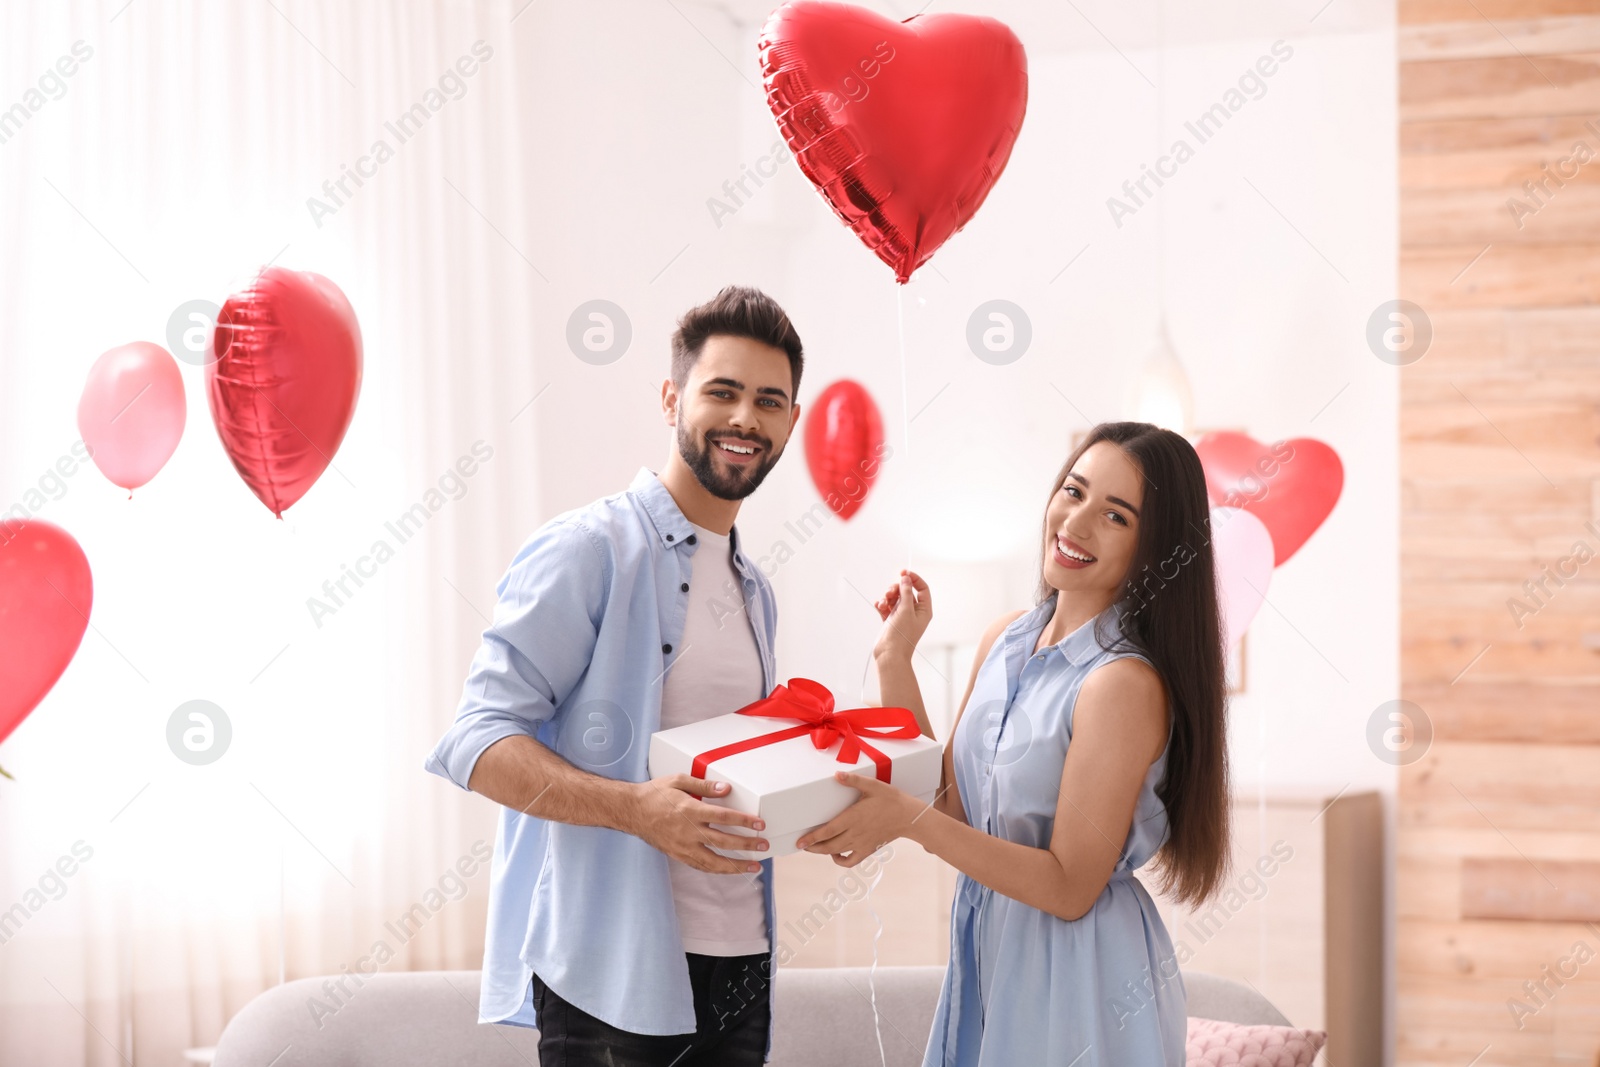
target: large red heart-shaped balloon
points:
(45, 595)
(283, 381)
(904, 127)
(844, 445)
(1291, 487)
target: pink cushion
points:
(1213, 1043)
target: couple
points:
(626, 940)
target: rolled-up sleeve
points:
(546, 620)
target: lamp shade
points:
(1160, 393)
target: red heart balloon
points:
(46, 592)
(844, 444)
(1291, 487)
(284, 380)
(904, 127)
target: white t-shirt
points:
(717, 672)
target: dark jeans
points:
(731, 1019)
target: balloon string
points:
(905, 441)
(905, 393)
(905, 435)
(872, 986)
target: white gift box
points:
(789, 784)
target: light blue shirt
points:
(587, 624)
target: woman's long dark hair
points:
(1172, 615)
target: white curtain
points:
(144, 900)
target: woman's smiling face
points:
(1094, 515)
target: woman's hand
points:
(882, 814)
(906, 609)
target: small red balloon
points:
(844, 445)
(903, 127)
(1291, 486)
(46, 592)
(283, 381)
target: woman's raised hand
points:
(906, 609)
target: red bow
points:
(812, 703)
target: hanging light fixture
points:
(1160, 393)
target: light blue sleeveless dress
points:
(1024, 986)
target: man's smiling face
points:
(734, 414)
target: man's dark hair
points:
(737, 311)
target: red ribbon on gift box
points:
(812, 703)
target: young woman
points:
(1091, 738)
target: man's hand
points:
(669, 818)
(523, 775)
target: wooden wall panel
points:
(1499, 822)
(1500, 87)
(1560, 713)
(1552, 891)
(1469, 14)
(1509, 275)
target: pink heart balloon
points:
(1242, 548)
(132, 411)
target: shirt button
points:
(689, 540)
(669, 537)
(666, 648)
(684, 587)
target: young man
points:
(613, 926)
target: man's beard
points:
(731, 483)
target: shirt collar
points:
(1077, 646)
(672, 527)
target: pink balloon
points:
(132, 412)
(1243, 551)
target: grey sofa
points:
(429, 1019)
